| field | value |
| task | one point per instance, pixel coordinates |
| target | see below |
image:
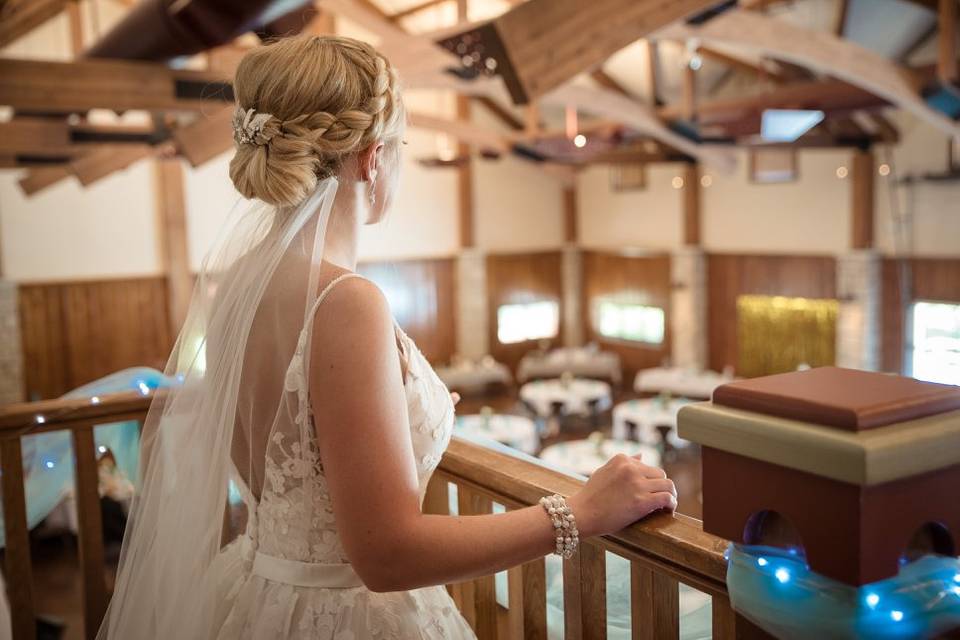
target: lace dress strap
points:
(323, 294)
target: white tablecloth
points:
(584, 362)
(518, 432)
(647, 415)
(472, 376)
(679, 382)
(582, 456)
(575, 394)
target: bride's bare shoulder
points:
(353, 305)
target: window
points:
(528, 321)
(936, 342)
(629, 321)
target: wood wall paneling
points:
(926, 279)
(729, 276)
(518, 278)
(422, 296)
(646, 277)
(76, 332)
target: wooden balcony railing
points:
(663, 550)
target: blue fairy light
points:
(762, 562)
(872, 600)
(956, 578)
(144, 389)
(782, 575)
(49, 464)
(95, 400)
(896, 615)
(40, 419)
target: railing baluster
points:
(528, 600)
(437, 499)
(19, 576)
(91, 530)
(585, 594)
(482, 591)
(724, 619)
(654, 604)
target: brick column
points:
(472, 312)
(688, 308)
(11, 348)
(572, 274)
(858, 322)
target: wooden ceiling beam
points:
(541, 44)
(607, 81)
(947, 68)
(29, 135)
(20, 17)
(819, 51)
(417, 8)
(107, 159)
(461, 130)
(70, 87)
(500, 112)
(206, 137)
(38, 179)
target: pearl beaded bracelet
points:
(564, 524)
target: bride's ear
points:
(369, 160)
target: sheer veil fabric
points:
(255, 291)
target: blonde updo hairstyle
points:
(325, 98)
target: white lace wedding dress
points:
(288, 577)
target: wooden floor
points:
(55, 565)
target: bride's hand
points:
(621, 492)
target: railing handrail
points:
(671, 543)
(21, 418)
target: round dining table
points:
(639, 419)
(518, 432)
(587, 455)
(575, 396)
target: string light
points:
(782, 575)
(884, 169)
(872, 600)
(144, 389)
(706, 181)
(841, 172)
(762, 562)
(49, 464)
(40, 419)
(677, 182)
(102, 449)
(95, 400)
(580, 140)
(896, 616)
(696, 62)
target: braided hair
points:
(304, 104)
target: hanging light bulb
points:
(580, 140)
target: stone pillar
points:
(11, 349)
(688, 308)
(572, 273)
(473, 337)
(858, 321)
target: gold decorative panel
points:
(777, 334)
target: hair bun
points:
(282, 173)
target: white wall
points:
(649, 218)
(809, 215)
(68, 232)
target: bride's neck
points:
(343, 230)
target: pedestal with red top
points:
(858, 462)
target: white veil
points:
(249, 305)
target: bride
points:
(298, 386)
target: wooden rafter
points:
(541, 44)
(206, 137)
(820, 51)
(66, 87)
(461, 130)
(500, 112)
(20, 17)
(417, 8)
(607, 81)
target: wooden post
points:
(691, 205)
(861, 191)
(19, 576)
(689, 93)
(947, 69)
(90, 539)
(465, 168)
(654, 604)
(571, 228)
(172, 232)
(76, 27)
